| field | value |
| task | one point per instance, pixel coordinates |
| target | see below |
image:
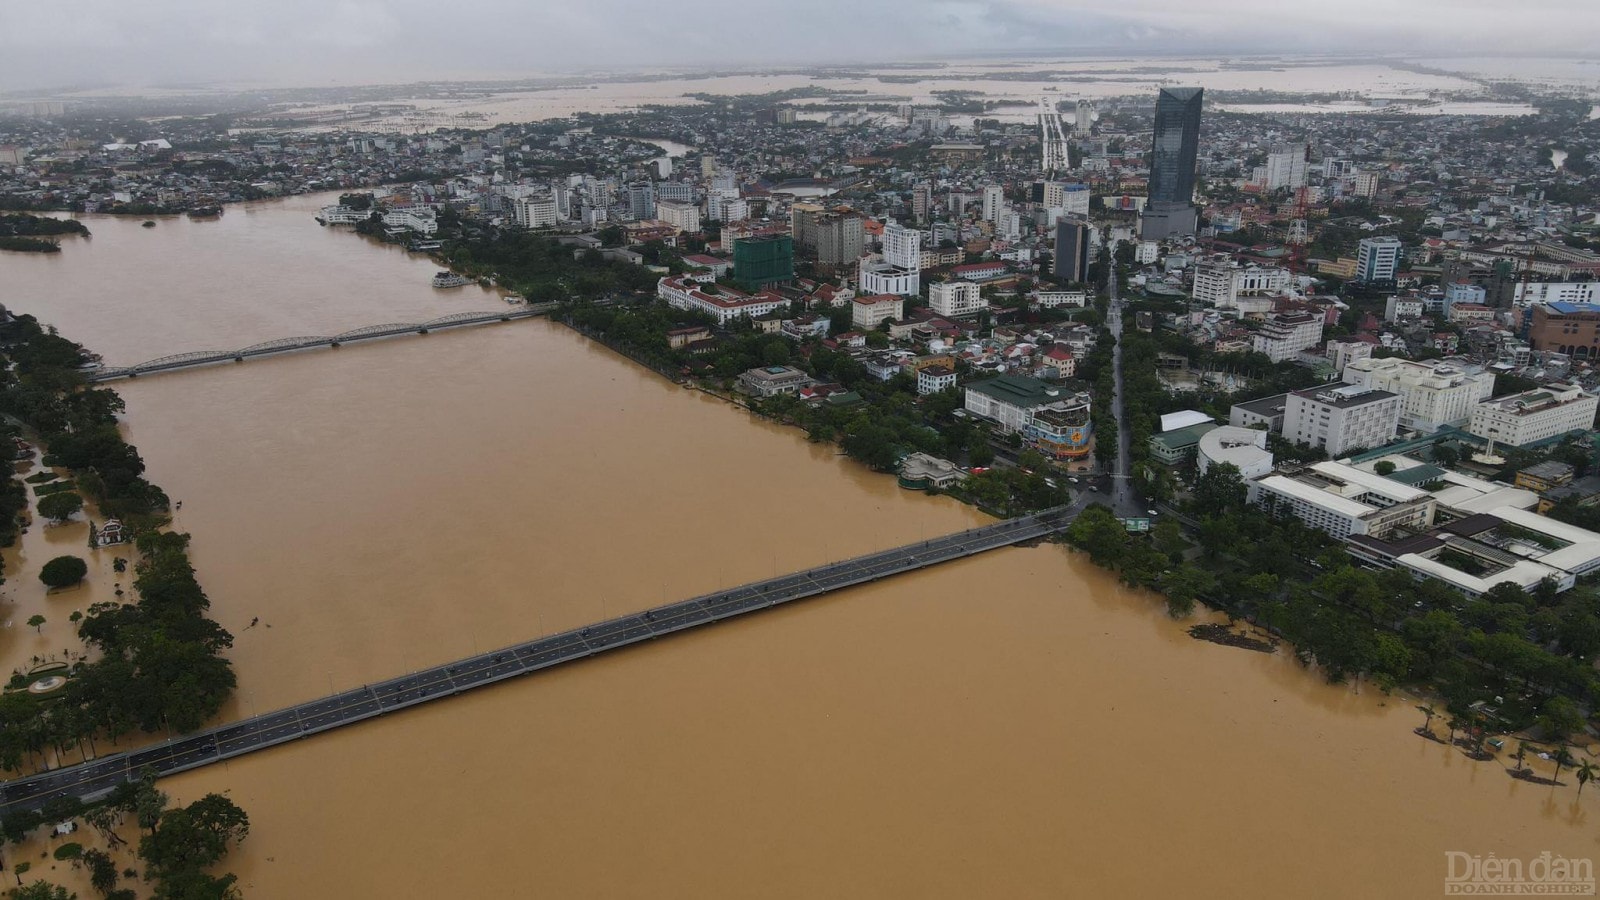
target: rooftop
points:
(1182, 438)
(1345, 396)
(1018, 390)
(1266, 406)
(1183, 419)
(1548, 469)
(1565, 308)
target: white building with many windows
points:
(1433, 394)
(535, 212)
(933, 379)
(956, 298)
(1054, 299)
(1535, 415)
(1012, 400)
(898, 269)
(1559, 292)
(1341, 418)
(725, 304)
(1343, 500)
(420, 219)
(680, 214)
(1283, 336)
(1221, 284)
(1066, 198)
(1378, 258)
(867, 313)
(993, 197)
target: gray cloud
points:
(312, 42)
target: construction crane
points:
(1299, 232)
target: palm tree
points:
(1562, 758)
(1522, 751)
(1430, 712)
(1455, 725)
(1586, 771)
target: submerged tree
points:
(63, 571)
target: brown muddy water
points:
(1016, 725)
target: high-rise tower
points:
(1176, 146)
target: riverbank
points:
(877, 424)
(151, 662)
(924, 735)
(1498, 676)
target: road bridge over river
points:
(292, 344)
(95, 778)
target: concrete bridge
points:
(95, 778)
(292, 344)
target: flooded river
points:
(1015, 725)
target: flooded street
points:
(1014, 725)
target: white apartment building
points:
(1559, 292)
(1535, 415)
(867, 313)
(993, 196)
(1285, 168)
(898, 270)
(1009, 225)
(417, 218)
(535, 212)
(1378, 258)
(1433, 394)
(1343, 500)
(1397, 308)
(1341, 418)
(680, 214)
(902, 247)
(1343, 353)
(1069, 199)
(1146, 253)
(1214, 284)
(1222, 283)
(1364, 184)
(956, 298)
(1284, 335)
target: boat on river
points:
(450, 280)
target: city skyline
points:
(300, 43)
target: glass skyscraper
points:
(1175, 146)
(1177, 142)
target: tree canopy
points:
(63, 571)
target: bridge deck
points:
(309, 342)
(96, 777)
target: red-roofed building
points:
(980, 271)
(1058, 361)
(718, 266)
(869, 312)
(722, 303)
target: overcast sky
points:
(317, 42)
